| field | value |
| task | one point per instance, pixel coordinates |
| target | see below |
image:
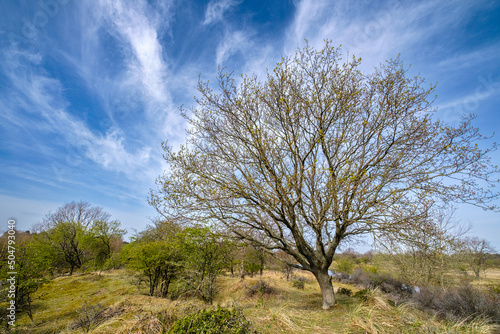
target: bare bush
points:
(464, 302)
(91, 316)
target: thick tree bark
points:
(325, 284)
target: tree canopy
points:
(319, 152)
(78, 232)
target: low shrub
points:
(360, 277)
(148, 323)
(495, 289)
(459, 303)
(456, 304)
(160, 322)
(210, 321)
(298, 284)
(341, 277)
(362, 294)
(344, 291)
(89, 317)
(260, 288)
(302, 279)
(371, 280)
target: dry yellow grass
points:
(289, 310)
(492, 274)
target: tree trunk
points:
(261, 262)
(242, 271)
(325, 284)
(476, 272)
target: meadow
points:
(112, 302)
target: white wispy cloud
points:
(43, 97)
(136, 92)
(375, 32)
(469, 103)
(231, 43)
(147, 66)
(264, 58)
(471, 58)
(309, 16)
(217, 8)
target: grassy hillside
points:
(113, 303)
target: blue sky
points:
(90, 89)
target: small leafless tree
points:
(317, 153)
(475, 252)
(426, 253)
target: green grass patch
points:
(57, 303)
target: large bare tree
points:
(319, 152)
